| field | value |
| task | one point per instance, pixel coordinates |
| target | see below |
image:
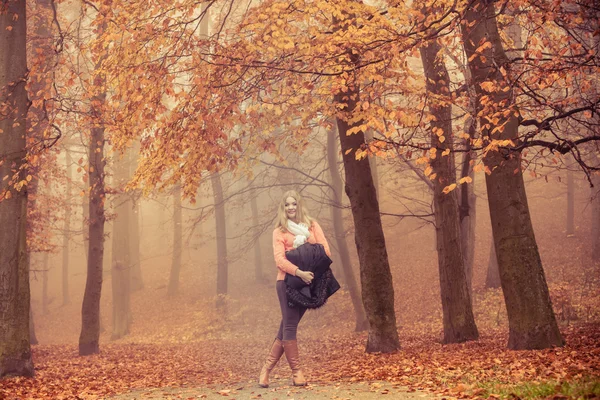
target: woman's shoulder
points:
(278, 231)
(314, 224)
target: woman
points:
(294, 227)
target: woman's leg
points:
(290, 316)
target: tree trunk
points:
(15, 348)
(45, 268)
(66, 232)
(532, 323)
(173, 287)
(375, 275)
(595, 200)
(90, 311)
(221, 236)
(258, 259)
(85, 223)
(362, 323)
(467, 228)
(121, 262)
(137, 282)
(459, 323)
(373, 164)
(492, 279)
(468, 200)
(570, 204)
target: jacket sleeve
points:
(279, 252)
(320, 237)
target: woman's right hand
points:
(306, 276)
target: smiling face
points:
(291, 208)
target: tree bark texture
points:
(15, 348)
(459, 322)
(373, 164)
(221, 236)
(362, 323)
(85, 223)
(90, 311)
(66, 232)
(375, 275)
(173, 288)
(532, 323)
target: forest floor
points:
(336, 366)
(281, 390)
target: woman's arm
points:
(320, 237)
(279, 252)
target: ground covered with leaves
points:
(480, 369)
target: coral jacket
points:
(283, 241)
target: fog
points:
(250, 307)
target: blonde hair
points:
(301, 214)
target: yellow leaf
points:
(466, 179)
(449, 188)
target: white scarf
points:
(300, 231)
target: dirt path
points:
(280, 390)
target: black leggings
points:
(290, 316)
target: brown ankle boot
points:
(290, 347)
(273, 357)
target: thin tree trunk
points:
(89, 337)
(459, 322)
(121, 262)
(137, 281)
(258, 259)
(532, 323)
(467, 228)
(15, 348)
(45, 268)
(375, 275)
(173, 288)
(570, 204)
(85, 223)
(467, 199)
(66, 232)
(221, 236)
(595, 200)
(362, 323)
